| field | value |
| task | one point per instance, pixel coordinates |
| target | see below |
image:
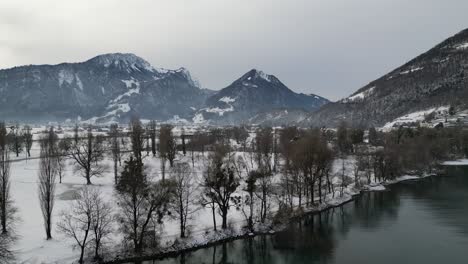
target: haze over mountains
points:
(114, 87)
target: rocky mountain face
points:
(254, 93)
(110, 87)
(434, 79)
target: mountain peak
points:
(255, 74)
(123, 60)
(189, 77)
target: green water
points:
(414, 222)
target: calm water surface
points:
(414, 222)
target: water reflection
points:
(424, 222)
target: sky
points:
(327, 47)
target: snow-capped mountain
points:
(110, 87)
(436, 78)
(251, 94)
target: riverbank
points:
(212, 238)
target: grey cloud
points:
(328, 47)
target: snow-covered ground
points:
(456, 162)
(32, 248)
(414, 117)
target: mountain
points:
(437, 78)
(109, 87)
(253, 93)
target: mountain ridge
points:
(252, 93)
(437, 77)
(113, 87)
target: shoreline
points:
(307, 211)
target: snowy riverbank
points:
(31, 247)
(212, 238)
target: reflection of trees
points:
(373, 207)
(309, 240)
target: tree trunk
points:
(214, 215)
(225, 212)
(115, 171)
(182, 227)
(4, 225)
(320, 188)
(49, 226)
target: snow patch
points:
(198, 119)
(65, 76)
(462, 46)
(78, 82)
(131, 82)
(219, 111)
(360, 96)
(249, 84)
(227, 99)
(264, 76)
(414, 117)
(460, 162)
(127, 94)
(375, 188)
(122, 108)
(411, 70)
(177, 120)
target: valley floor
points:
(31, 246)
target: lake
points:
(423, 221)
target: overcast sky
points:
(327, 47)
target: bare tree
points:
(251, 188)
(63, 150)
(28, 139)
(16, 140)
(48, 170)
(152, 135)
(87, 153)
(76, 133)
(184, 192)
(220, 182)
(264, 148)
(264, 182)
(5, 199)
(182, 137)
(115, 148)
(77, 223)
(167, 147)
(102, 221)
(167, 144)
